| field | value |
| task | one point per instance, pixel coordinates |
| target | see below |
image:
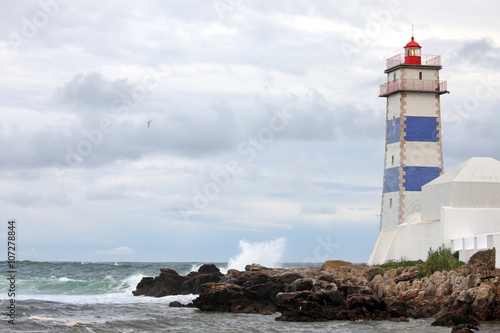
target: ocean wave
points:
(111, 298)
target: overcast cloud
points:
(171, 130)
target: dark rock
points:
(175, 304)
(255, 267)
(452, 319)
(425, 309)
(366, 292)
(208, 269)
(144, 286)
(398, 309)
(367, 307)
(345, 293)
(464, 328)
(369, 302)
(331, 297)
(169, 282)
(227, 297)
(327, 277)
(300, 284)
(192, 283)
(485, 258)
(218, 297)
(349, 290)
(310, 306)
(288, 277)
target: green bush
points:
(396, 264)
(441, 259)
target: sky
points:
(176, 130)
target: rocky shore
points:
(341, 291)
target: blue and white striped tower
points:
(413, 149)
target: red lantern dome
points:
(412, 53)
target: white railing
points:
(413, 84)
(429, 60)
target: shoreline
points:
(339, 290)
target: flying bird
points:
(149, 122)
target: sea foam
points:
(267, 253)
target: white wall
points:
(434, 197)
(476, 194)
(468, 222)
(415, 240)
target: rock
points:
(175, 304)
(485, 258)
(311, 306)
(289, 277)
(227, 297)
(452, 319)
(464, 328)
(300, 284)
(330, 265)
(208, 269)
(144, 286)
(349, 290)
(369, 302)
(367, 307)
(390, 274)
(374, 271)
(193, 281)
(483, 303)
(337, 291)
(169, 282)
(406, 277)
(255, 267)
(409, 294)
(398, 309)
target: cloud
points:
(481, 52)
(109, 192)
(117, 251)
(264, 83)
(92, 92)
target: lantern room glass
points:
(412, 52)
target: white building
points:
(422, 208)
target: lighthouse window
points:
(394, 79)
(390, 203)
(392, 160)
(420, 75)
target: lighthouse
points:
(413, 146)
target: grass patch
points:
(396, 264)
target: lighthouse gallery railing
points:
(429, 60)
(412, 84)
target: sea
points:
(97, 297)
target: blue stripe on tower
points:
(424, 129)
(416, 177)
(391, 180)
(393, 127)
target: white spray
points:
(267, 253)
